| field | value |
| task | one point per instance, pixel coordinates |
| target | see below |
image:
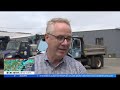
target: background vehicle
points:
(3, 44)
(42, 46)
(19, 49)
(91, 55)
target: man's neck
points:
(53, 59)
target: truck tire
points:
(97, 62)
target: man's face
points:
(59, 40)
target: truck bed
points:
(94, 50)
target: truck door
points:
(42, 46)
(24, 50)
(76, 48)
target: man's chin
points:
(61, 55)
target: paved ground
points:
(111, 66)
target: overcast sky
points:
(35, 21)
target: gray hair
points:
(50, 23)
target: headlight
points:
(9, 56)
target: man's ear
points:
(46, 37)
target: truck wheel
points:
(97, 62)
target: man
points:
(55, 60)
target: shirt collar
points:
(46, 60)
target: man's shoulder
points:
(75, 64)
(71, 59)
(39, 56)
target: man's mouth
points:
(62, 49)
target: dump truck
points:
(91, 55)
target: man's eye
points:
(60, 37)
(68, 38)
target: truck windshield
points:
(13, 46)
(76, 43)
(42, 46)
(75, 49)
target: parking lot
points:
(111, 66)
